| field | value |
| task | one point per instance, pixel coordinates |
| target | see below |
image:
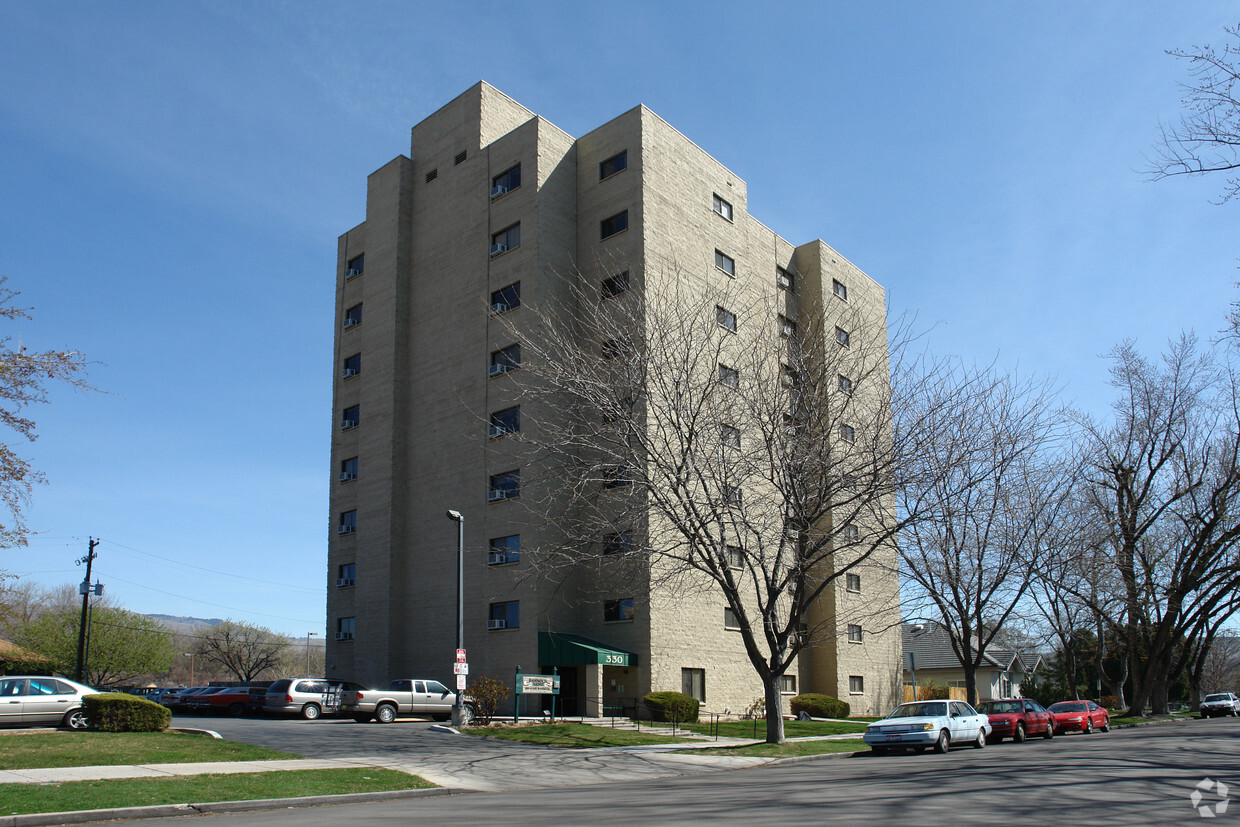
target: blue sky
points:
(174, 177)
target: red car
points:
(1017, 718)
(1080, 716)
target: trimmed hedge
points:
(820, 706)
(672, 706)
(122, 712)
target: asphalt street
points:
(1144, 775)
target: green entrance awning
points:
(573, 650)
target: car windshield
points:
(999, 707)
(1068, 706)
(920, 710)
(1218, 697)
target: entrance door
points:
(569, 701)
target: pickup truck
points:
(402, 697)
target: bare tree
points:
(1219, 666)
(697, 442)
(244, 650)
(1207, 138)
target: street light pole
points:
(459, 519)
(308, 636)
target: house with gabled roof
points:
(1000, 675)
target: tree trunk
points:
(774, 711)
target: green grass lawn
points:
(787, 750)
(22, 750)
(575, 735)
(142, 792)
(792, 729)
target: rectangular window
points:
(615, 285)
(736, 557)
(784, 280)
(787, 327)
(505, 486)
(730, 436)
(841, 336)
(731, 495)
(507, 180)
(506, 615)
(725, 263)
(616, 348)
(355, 267)
(791, 378)
(617, 476)
(728, 376)
(839, 289)
(618, 611)
(353, 316)
(854, 633)
(852, 583)
(725, 318)
(348, 469)
(845, 384)
(617, 223)
(460, 157)
(352, 365)
(507, 421)
(693, 683)
(432, 175)
(620, 542)
(788, 684)
(616, 163)
(504, 550)
(722, 207)
(856, 684)
(850, 533)
(730, 621)
(506, 239)
(346, 575)
(349, 418)
(348, 522)
(344, 628)
(505, 360)
(847, 434)
(506, 298)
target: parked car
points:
(307, 697)
(1080, 716)
(180, 699)
(235, 700)
(1220, 703)
(405, 696)
(1017, 718)
(39, 700)
(921, 724)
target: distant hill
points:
(186, 627)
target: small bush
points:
(1108, 702)
(122, 712)
(820, 706)
(757, 709)
(672, 706)
(487, 693)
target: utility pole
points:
(80, 675)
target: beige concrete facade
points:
(424, 388)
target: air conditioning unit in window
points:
(497, 558)
(498, 190)
(349, 372)
(497, 369)
(346, 424)
(499, 307)
(345, 529)
(496, 249)
(494, 431)
(344, 581)
(348, 274)
(496, 494)
(347, 475)
(497, 624)
(348, 323)
(344, 636)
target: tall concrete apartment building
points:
(483, 219)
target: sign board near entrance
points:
(539, 685)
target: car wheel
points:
(980, 741)
(385, 713)
(311, 711)
(236, 710)
(75, 719)
(1106, 725)
(1089, 726)
(1050, 731)
(361, 719)
(943, 744)
(1019, 737)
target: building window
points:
(353, 316)
(847, 434)
(432, 175)
(728, 376)
(617, 223)
(507, 180)
(725, 318)
(730, 436)
(506, 298)
(346, 575)
(504, 550)
(841, 336)
(730, 620)
(507, 421)
(791, 378)
(352, 365)
(505, 486)
(725, 263)
(344, 628)
(851, 533)
(505, 360)
(348, 522)
(788, 684)
(620, 542)
(355, 267)
(506, 239)
(693, 683)
(615, 285)
(784, 280)
(845, 384)
(618, 611)
(460, 157)
(787, 327)
(852, 583)
(348, 469)
(349, 418)
(856, 684)
(616, 163)
(617, 476)
(722, 207)
(615, 348)
(506, 615)
(736, 557)
(839, 289)
(731, 495)
(854, 633)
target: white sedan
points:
(922, 724)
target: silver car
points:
(307, 697)
(39, 700)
